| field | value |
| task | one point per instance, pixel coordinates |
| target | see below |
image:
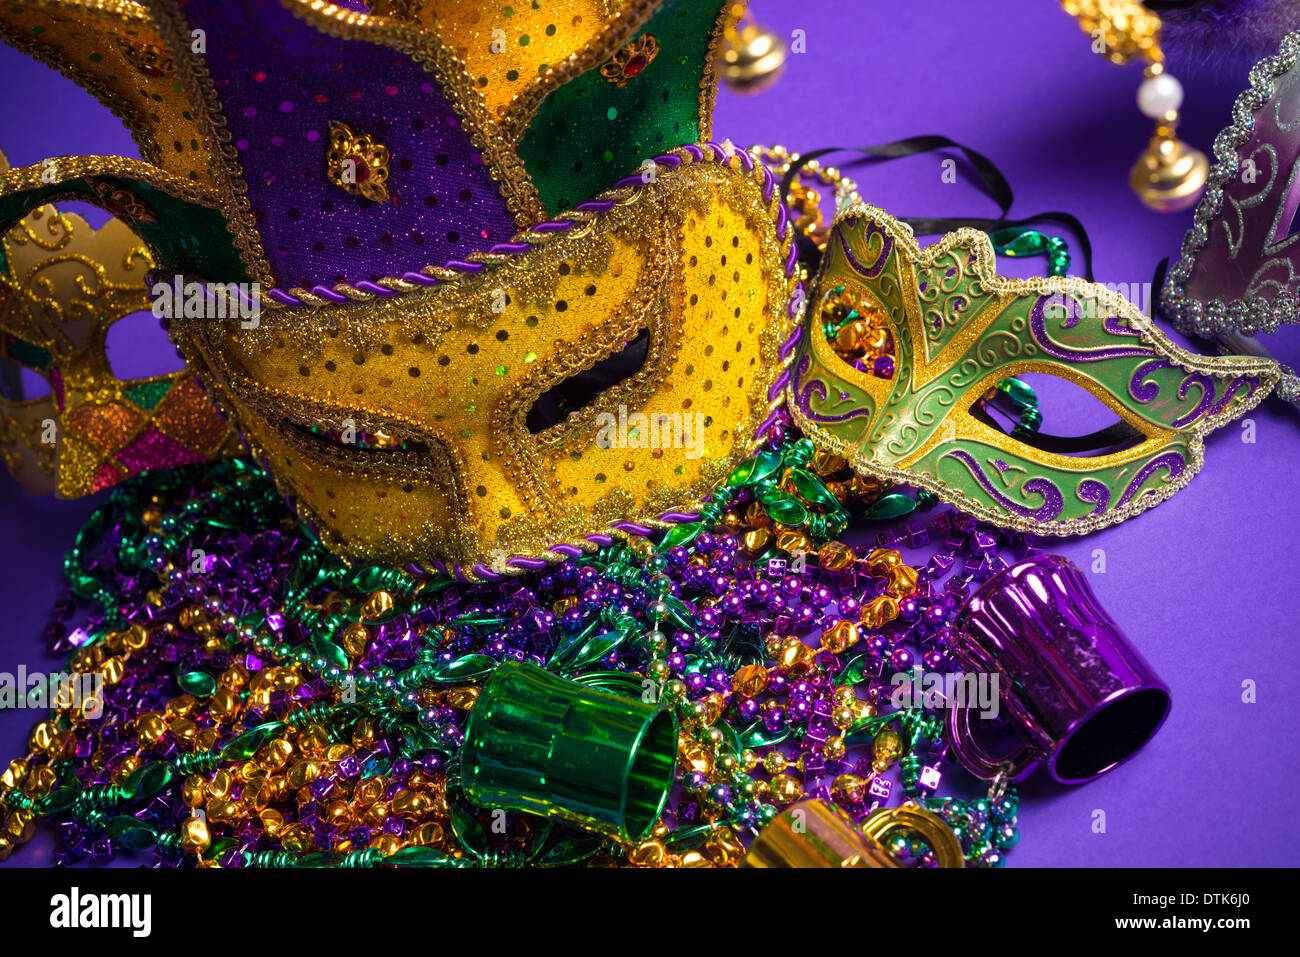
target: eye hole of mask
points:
(137, 348)
(1060, 401)
(580, 390)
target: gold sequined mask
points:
(605, 374)
(448, 368)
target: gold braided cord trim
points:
(620, 196)
(427, 48)
(64, 168)
(214, 371)
(197, 82)
(728, 17)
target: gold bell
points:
(1169, 175)
(752, 57)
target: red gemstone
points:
(635, 65)
(361, 167)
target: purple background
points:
(1202, 584)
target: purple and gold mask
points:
(505, 320)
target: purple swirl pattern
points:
(1091, 490)
(1053, 500)
(1038, 327)
(1146, 391)
(817, 386)
(1249, 381)
(1206, 384)
(1173, 461)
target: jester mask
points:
(502, 318)
(63, 285)
(445, 269)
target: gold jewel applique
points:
(357, 163)
(631, 60)
(150, 60)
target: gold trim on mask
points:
(959, 329)
(64, 285)
(439, 383)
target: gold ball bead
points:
(356, 639)
(674, 691)
(692, 756)
(785, 789)
(887, 747)
(843, 717)
(775, 762)
(833, 748)
(848, 789)
(844, 695)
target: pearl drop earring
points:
(1169, 175)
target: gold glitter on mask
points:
(407, 429)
